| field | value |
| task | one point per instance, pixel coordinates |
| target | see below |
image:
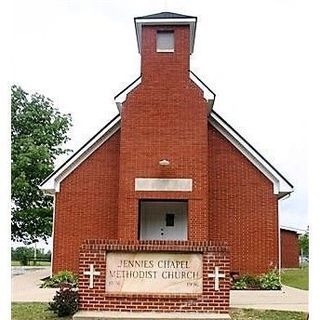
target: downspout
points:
(52, 235)
(279, 237)
(53, 220)
(279, 249)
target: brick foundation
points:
(214, 254)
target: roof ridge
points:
(165, 15)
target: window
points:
(165, 41)
(170, 220)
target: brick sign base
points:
(95, 297)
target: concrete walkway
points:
(25, 285)
(25, 288)
(288, 298)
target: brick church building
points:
(168, 167)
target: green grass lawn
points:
(296, 278)
(39, 311)
(38, 263)
(250, 314)
(33, 311)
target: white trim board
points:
(207, 95)
(123, 96)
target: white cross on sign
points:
(91, 273)
(216, 275)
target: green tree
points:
(304, 243)
(17, 253)
(22, 254)
(38, 132)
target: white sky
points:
(255, 55)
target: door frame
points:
(161, 200)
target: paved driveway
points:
(25, 288)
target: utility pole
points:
(35, 253)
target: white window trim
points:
(169, 36)
(165, 50)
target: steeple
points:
(166, 18)
(165, 43)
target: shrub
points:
(65, 302)
(62, 277)
(270, 281)
(251, 281)
(246, 282)
(23, 260)
(240, 284)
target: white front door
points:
(163, 220)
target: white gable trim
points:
(280, 185)
(52, 184)
(122, 96)
(208, 94)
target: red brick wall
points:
(87, 204)
(214, 254)
(242, 208)
(289, 249)
(165, 117)
(161, 69)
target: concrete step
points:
(110, 315)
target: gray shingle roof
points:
(165, 15)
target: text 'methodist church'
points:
(168, 168)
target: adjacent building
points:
(289, 248)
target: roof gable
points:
(282, 186)
(52, 183)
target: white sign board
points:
(154, 273)
(155, 184)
